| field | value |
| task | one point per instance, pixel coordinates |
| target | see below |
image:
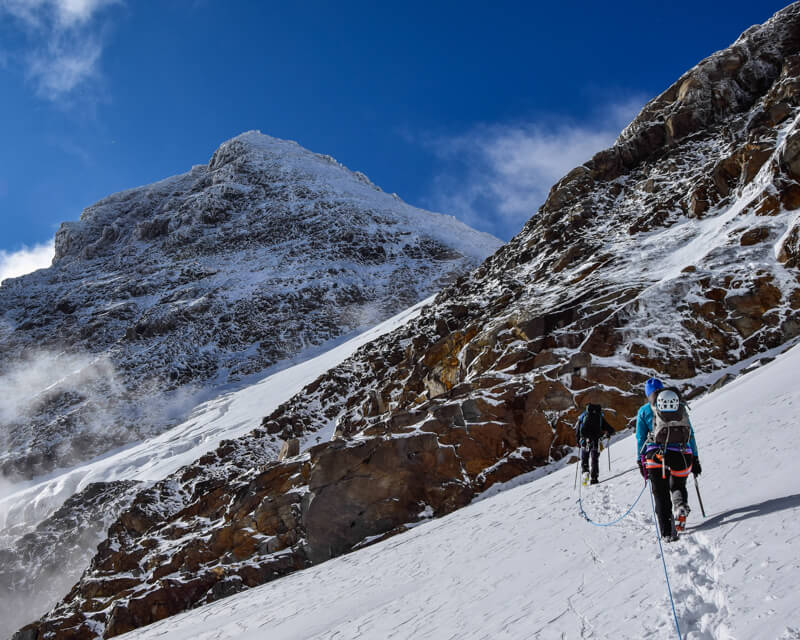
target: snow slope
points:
(522, 563)
(228, 416)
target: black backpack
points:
(670, 427)
(592, 426)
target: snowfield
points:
(523, 563)
(228, 416)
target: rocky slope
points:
(173, 290)
(40, 566)
(674, 253)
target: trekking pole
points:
(608, 446)
(699, 499)
(577, 465)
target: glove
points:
(641, 467)
(696, 468)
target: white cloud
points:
(25, 260)
(494, 177)
(78, 11)
(64, 13)
(42, 374)
(64, 42)
(63, 66)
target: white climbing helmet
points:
(668, 401)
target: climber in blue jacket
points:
(666, 463)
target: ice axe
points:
(699, 499)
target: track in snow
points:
(522, 564)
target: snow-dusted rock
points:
(669, 254)
(174, 290)
(37, 568)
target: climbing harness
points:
(655, 457)
(659, 462)
(664, 562)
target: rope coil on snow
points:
(660, 546)
(607, 524)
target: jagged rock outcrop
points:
(171, 290)
(673, 253)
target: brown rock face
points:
(644, 261)
(374, 486)
(789, 248)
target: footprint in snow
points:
(700, 600)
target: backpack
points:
(592, 425)
(670, 427)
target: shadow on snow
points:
(752, 511)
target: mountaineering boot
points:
(671, 536)
(594, 480)
(585, 478)
(680, 517)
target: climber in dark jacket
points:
(589, 428)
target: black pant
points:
(591, 447)
(671, 491)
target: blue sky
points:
(469, 108)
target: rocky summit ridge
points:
(675, 253)
(178, 289)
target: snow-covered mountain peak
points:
(202, 278)
(257, 147)
(249, 177)
(168, 294)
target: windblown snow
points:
(35, 581)
(522, 563)
(191, 286)
(226, 417)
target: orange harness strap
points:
(657, 464)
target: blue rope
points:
(660, 546)
(666, 575)
(608, 524)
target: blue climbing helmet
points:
(653, 384)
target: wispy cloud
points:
(63, 42)
(25, 260)
(494, 177)
(43, 374)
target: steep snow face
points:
(174, 290)
(523, 563)
(50, 528)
